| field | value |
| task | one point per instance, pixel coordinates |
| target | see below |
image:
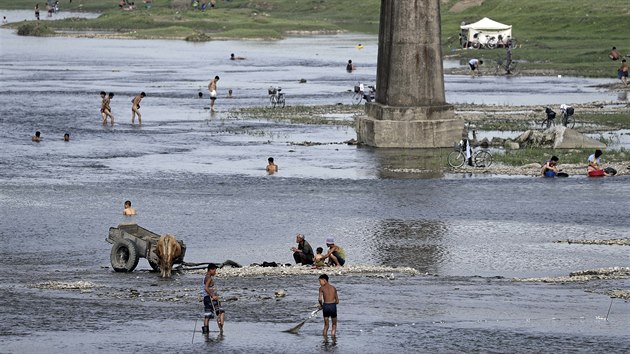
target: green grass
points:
(570, 37)
(612, 121)
(573, 156)
(594, 122)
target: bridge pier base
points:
(410, 109)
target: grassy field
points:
(570, 37)
(573, 156)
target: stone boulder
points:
(511, 145)
(566, 138)
(558, 137)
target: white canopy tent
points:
(485, 29)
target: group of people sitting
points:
(303, 253)
(204, 5)
(126, 5)
(594, 169)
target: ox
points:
(167, 250)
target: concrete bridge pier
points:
(410, 109)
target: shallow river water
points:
(201, 177)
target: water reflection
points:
(409, 163)
(415, 243)
(623, 96)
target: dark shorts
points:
(550, 173)
(624, 74)
(472, 67)
(330, 310)
(208, 306)
(341, 260)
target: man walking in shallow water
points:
(106, 110)
(328, 300)
(135, 108)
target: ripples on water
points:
(201, 177)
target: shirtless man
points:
(233, 57)
(37, 137)
(106, 110)
(211, 303)
(103, 98)
(212, 87)
(614, 54)
(623, 72)
(271, 167)
(135, 108)
(128, 210)
(328, 300)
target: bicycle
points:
(457, 158)
(567, 116)
(505, 68)
(549, 120)
(276, 97)
(360, 94)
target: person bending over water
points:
(550, 169)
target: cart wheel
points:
(155, 266)
(124, 256)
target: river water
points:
(201, 177)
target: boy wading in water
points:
(135, 108)
(328, 301)
(212, 87)
(211, 301)
(106, 110)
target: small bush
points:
(198, 37)
(34, 29)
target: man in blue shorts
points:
(211, 304)
(328, 300)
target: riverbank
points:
(549, 39)
(594, 118)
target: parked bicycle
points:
(276, 97)
(457, 158)
(490, 42)
(550, 119)
(567, 116)
(361, 95)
